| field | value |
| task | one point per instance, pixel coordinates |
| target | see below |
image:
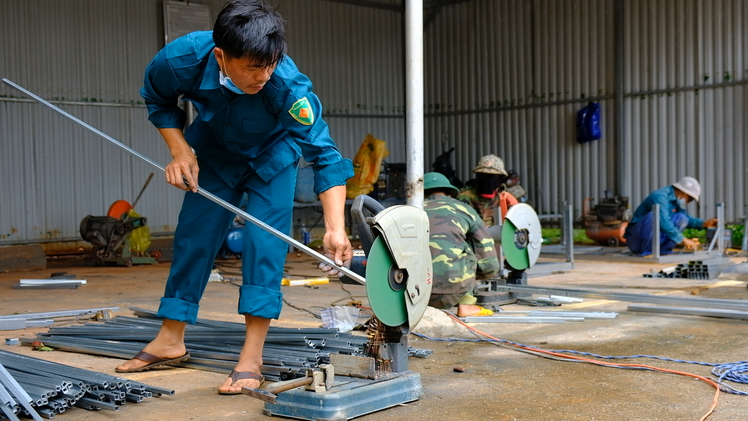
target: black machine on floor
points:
(110, 235)
(606, 222)
(110, 238)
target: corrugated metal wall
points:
(515, 90)
(355, 57)
(508, 76)
(502, 76)
(88, 57)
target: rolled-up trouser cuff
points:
(260, 302)
(179, 310)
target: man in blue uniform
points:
(257, 115)
(673, 218)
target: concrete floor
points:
(498, 383)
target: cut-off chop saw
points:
(397, 268)
(397, 262)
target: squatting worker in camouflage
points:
(462, 250)
(257, 116)
(487, 191)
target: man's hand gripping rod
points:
(210, 196)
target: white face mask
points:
(227, 83)
(682, 203)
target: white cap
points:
(689, 186)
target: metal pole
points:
(210, 196)
(656, 231)
(718, 233)
(720, 227)
(622, 167)
(414, 102)
(568, 232)
(744, 246)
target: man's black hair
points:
(251, 29)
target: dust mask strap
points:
(226, 81)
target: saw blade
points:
(521, 236)
(515, 254)
(387, 303)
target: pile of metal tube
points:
(213, 345)
(34, 388)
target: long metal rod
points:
(725, 314)
(656, 231)
(63, 313)
(633, 298)
(210, 196)
(622, 159)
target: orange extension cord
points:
(711, 382)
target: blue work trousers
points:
(639, 235)
(200, 233)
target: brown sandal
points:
(241, 375)
(153, 362)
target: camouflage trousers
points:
(445, 301)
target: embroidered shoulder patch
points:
(301, 111)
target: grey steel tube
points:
(210, 196)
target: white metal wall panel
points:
(354, 56)
(685, 102)
(88, 57)
(500, 77)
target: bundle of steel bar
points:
(213, 345)
(694, 269)
(31, 387)
(27, 320)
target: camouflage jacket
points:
(485, 207)
(461, 248)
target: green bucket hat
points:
(435, 180)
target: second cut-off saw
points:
(398, 284)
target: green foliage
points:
(700, 234)
(553, 236)
(738, 231)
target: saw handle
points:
(358, 219)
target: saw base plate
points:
(348, 398)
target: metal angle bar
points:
(54, 286)
(17, 391)
(210, 196)
(585, 314)
(634, 298)
(102, 404)
(53, 314)
(12, 324)
(51, 281)
(519, 319)
(725, 314)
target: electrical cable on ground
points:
(728, 371)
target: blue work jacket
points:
(665, 197)
(264, 131)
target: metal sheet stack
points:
(213, 345)
(694, 269)
(32, 387)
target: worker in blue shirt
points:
(673, 219)
(257, 115)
